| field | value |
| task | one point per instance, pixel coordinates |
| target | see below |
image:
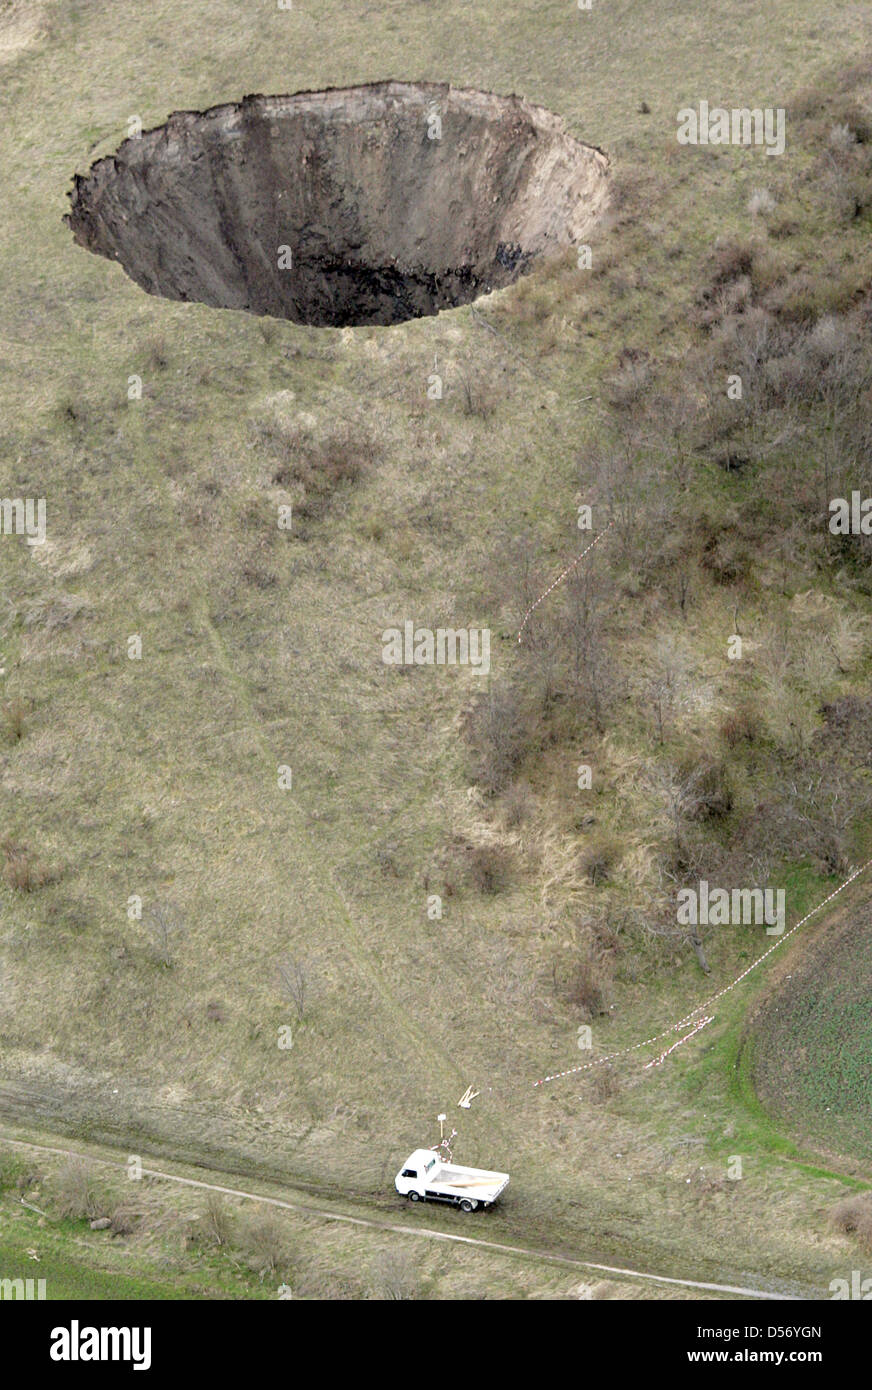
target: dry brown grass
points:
(853, 1217)
(23, 871)
(14, 717)
(78, 1194)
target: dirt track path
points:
(398, 1228)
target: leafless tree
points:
(166, 927)
(497, 734)
(586, 635)
(680, 792)
(671, 931)
(825, 805)
(293, 975)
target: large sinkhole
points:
(368, 205)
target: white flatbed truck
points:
(425, 1178)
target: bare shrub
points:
(598, 860)
(606, 1083)
(726, 557)
(498, 737)
(489, 868)
(761, 203)
(318, 466)
(478, 394)
(713, 796)
(823, 805)
(784, 227)
(844, 176)
(740, 726)
(165, 928)
(586, 606)
(396, 1276)
(519, 804)
(264, 1243)
(730, 260)
(730, 264)
(293, 979)
(587, 990)
(77, 1192)
(214, 1226)
(158, 354)
(23, 872)
(258, 577)
(853, 1217)
(14, 714)
(28, 1178)
(386, 856)
(125, 1220)
(625, 388)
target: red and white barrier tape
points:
(697, 1028)
(690, 1021)
(560, 578)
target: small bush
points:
(293, 981)
(396, 1276)
(479, 396)
(761, 203)
(606, 1083)
(598, 860)
(730, 261)
(14, 714)
(587, 991)
(77, 1192)
(725, 558)
(25, 1179)
(783, 228)
(497, 733)
(318, 467)
(712, 794)
(489, 868)
(158, 354)
(214, 1227)
(265, 1245)
(627, 386)
(165, 928)
(740, 726)
(258, 577)
(853, 1217)
(23, 872)
(519, 804)
(854, 118)
(386, 856)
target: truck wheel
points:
(467, 1205)
(414, 1196)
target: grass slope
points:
(158, 778)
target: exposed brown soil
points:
(383, 222)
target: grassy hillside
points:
(157, 778)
